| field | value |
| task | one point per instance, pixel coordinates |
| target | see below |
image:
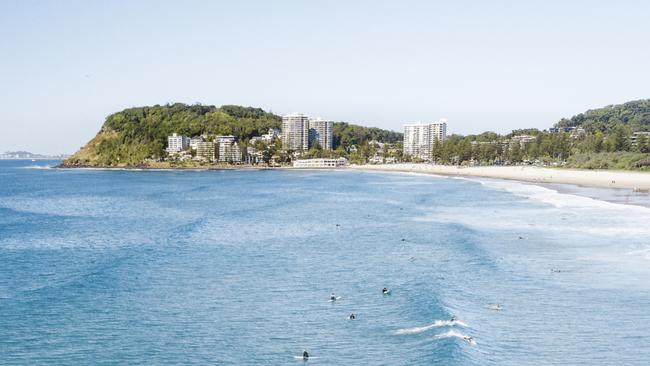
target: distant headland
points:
(208, 137)
(26, 155)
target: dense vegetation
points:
(136, 135)
(633, 116)
(604, 143)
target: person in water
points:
(453, 319)
(305, 355)
(352, 316)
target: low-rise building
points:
(376, 159)
(251, 155)
(577, 133)
(271, 135)
(320, 163)
(634, 139)
(523, 140)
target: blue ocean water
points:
(236, 267)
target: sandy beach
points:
(587, 178)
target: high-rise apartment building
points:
(205, 150)
(321, 130)
(229, 151)
(419, 138)
(295, 132)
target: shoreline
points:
(639, 181)
(585, 178)
(165, 168)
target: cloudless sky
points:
(484, 65)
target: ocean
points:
(237, 267)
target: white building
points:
(271, 135)
(320, 163)
(176, 143)
(229, 151)
(419, 138)
(321, 130)
(295, 132)
(251, 155)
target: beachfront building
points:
(295, 132)
(177, 143)
(320, 163)
(205, 151)
(194, 142)
(419, 138)
(252, 155)
(320, 130)
(228, 151)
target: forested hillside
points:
(135, 135)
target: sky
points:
(484, 65)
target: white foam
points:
(38, 167)
(553, 197)
(454, 334)
(435, 324)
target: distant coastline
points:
(587, 178)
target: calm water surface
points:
(236, 267)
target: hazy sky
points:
(484, 65)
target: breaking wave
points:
(435, 324)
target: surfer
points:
(468, 339)
(332, 297)
(496, 307)
(305, 355)
(385, 291)
(352, 316)
(453, 319)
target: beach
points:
(586, 178)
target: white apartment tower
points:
(419, 138)
(295, 132)
(321, 130)
(176, 143)
(229, 151)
